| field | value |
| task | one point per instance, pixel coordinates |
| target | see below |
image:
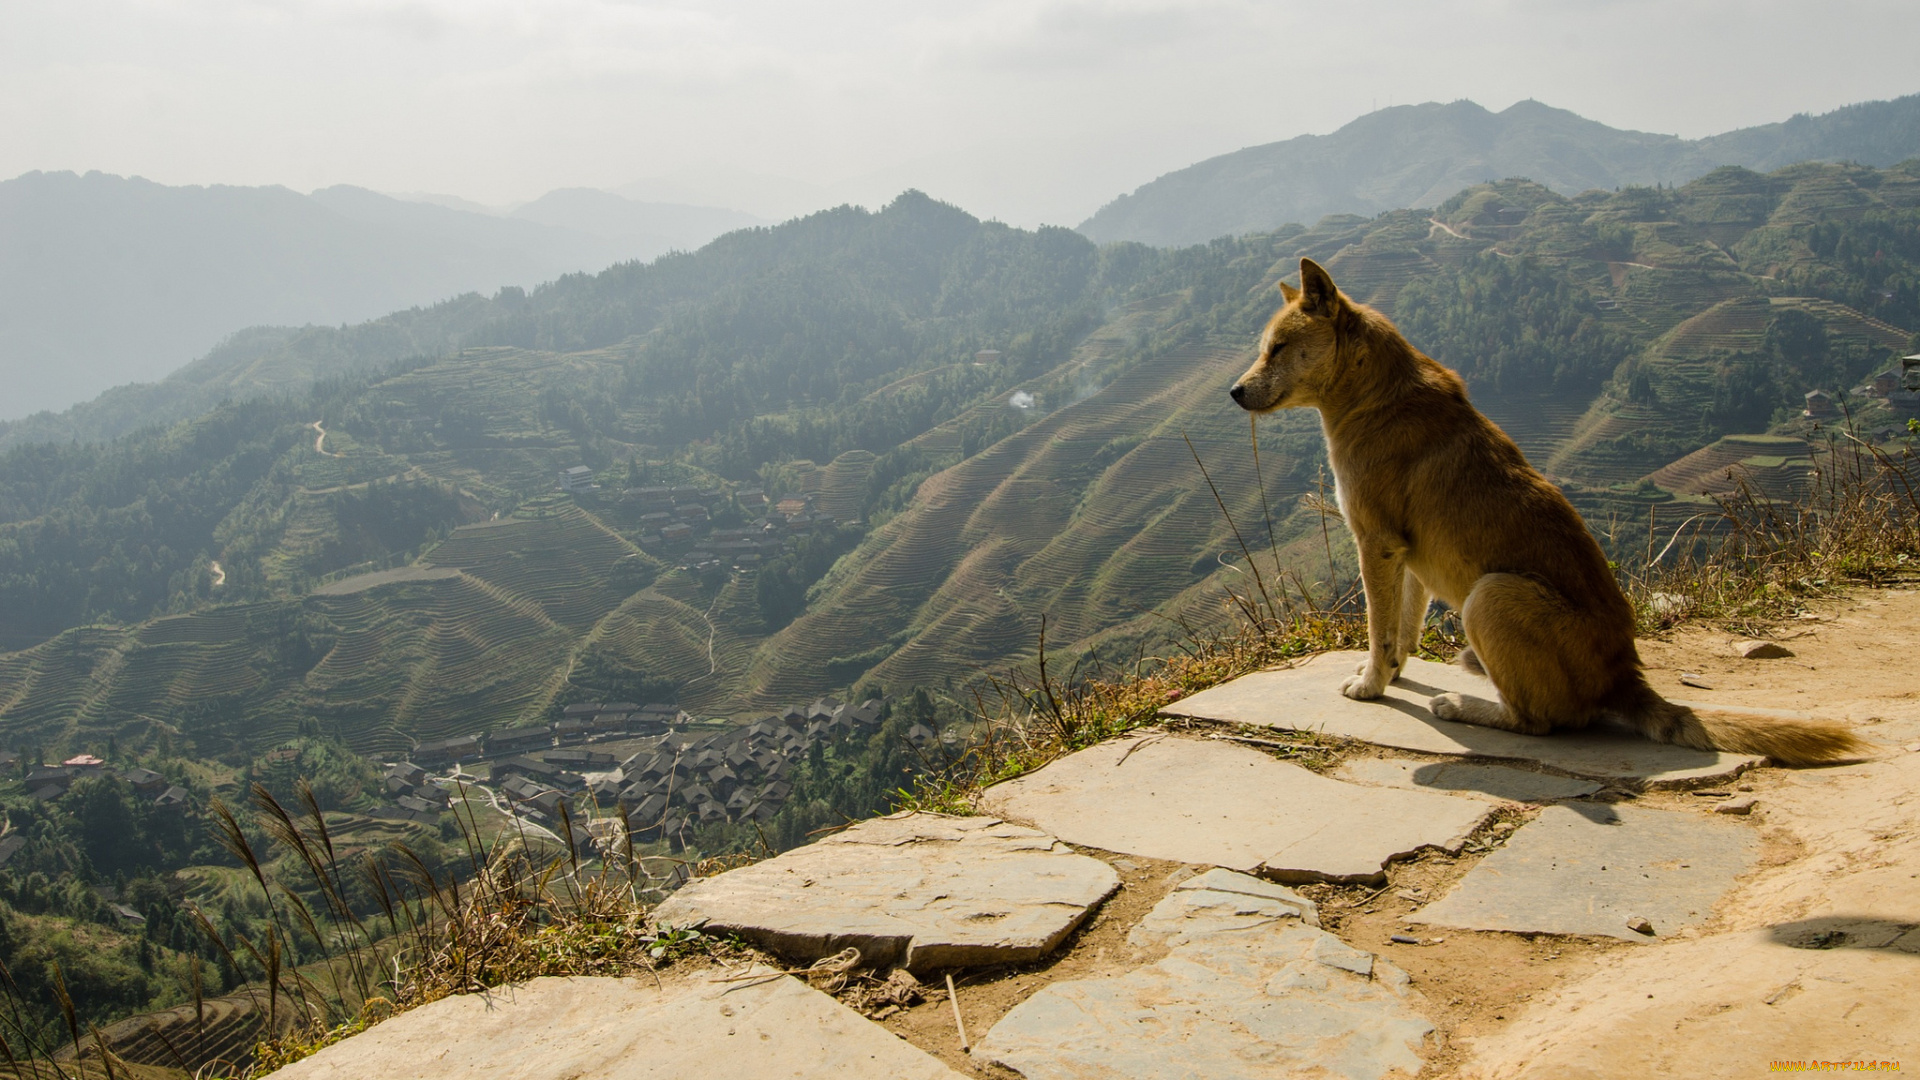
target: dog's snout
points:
(1239, 393)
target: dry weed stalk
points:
(1750, 561)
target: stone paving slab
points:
(1308, 698)
(1465, 778)
(1244, 990)
(1588, 869)
(1202, 801)
(918, 890)
(627, 1029)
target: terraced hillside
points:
(1778, 467)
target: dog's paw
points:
(1449, 706)
(1364, 686)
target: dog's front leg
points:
(1383, 575)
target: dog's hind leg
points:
(1535, 651)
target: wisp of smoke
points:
(1021, 400)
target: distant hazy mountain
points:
(770, 196)
(106, 280)
(1417, 155)
(641, 229)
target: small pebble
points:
(1742, 806)
(1640, 926)
(1745, 787)
(1762, 650)
(1404, 939)
(1698, 682)
(1407, 894)
(1713, 794)
(1505, 827)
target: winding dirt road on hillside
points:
(319, 440)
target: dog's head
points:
(1299, 347)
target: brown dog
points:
(1442, 503)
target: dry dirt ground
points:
(1813, 956)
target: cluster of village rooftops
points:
(680, 779)
(49, 783)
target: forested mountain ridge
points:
(1418, 155)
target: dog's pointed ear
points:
(1318, 295)
(1289, 293)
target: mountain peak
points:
(1417, 155)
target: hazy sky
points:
(1029, 112)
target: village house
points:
(448, 751)
(42, 776)
(406, 773)
(648, 809)
(578, 478)
(518, 740)
(580, 760)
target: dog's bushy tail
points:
(1784, 740)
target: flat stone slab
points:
(1465, 778)
(1246, 989)
(1589, 869)
(916, 890)
(1308, 698)
(1203, 801)
(627, 1029)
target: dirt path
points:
(1815, 956)
(319, 440)
(499, 804)
(1448, 229)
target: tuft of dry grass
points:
(515, 912)
(1751, 562)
